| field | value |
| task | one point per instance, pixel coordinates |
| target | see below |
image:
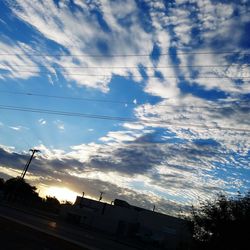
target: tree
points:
(69, 203)
(52, 204)
(222, 223)
(17, 189)
(53, 201)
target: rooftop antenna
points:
(101, 193)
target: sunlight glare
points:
(61, 193)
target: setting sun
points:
(61, 193)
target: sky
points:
(146, 101)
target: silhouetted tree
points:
(69, 203)
(17, 189)
(52, 204)
(52, 200)
(222, 223)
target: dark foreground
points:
(28, 229)
(15, 236)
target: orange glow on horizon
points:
(61, 193)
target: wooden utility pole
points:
(101, 193)
(29, 161)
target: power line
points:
(140, 76)
(56, 112)
(115, 118)
(134, 103)
(129, 55)
(125, 67)
(66, 97)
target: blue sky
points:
(164, 86)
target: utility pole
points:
(101, 193)
(28, 162)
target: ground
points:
(15, 236)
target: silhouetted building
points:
(124, 220)
(1, 195)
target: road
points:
(61, 230)
(15, 236)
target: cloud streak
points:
(172, 171)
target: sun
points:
(61, 193)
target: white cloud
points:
(18, 128)
(60, 125)
(50, 153)
(176, 172)
(42, 121)
(9, 64)
(80, 33)
(83, 31)
(50, 80)
(136, 126)
(120, 136)
(199, 116)
(15, 128)
(9, 149)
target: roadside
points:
(58, 229)
(16, 236)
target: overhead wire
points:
(122, 67)
(64, 97)
(129, 75)
(99, 100)
(134, 102)
(117, 118)
(128, 55)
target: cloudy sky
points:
(147, 101)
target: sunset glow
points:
(61, 193)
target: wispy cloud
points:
(42, 121)
(167, 170)
(19, 56)
(60, 125)
(172, 31)
(18, 128)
